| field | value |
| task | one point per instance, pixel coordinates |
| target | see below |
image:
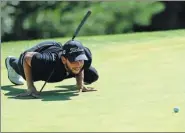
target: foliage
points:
(45, 19)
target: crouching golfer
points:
(49, 61)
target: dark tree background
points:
(24, 20)
(173, 17)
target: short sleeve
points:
(41, 60)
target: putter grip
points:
(81, 24)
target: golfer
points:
(51, 62)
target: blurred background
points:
(26, 20)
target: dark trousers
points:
(90, 74)
(15, 63)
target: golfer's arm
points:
(27, 69)
(80, 79)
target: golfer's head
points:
(74, 56)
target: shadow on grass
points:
(53, 95)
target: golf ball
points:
(176, 109)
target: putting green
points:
(141, 81)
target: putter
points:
(74, 35)
(81, 24)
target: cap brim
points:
(79, 57)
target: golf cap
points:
(74, 51)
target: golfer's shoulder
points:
(48, 44)
(87, 63)
(50, 47)
(88, 52)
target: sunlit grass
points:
(141, 81)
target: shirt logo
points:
(63, 52)
(53, 56)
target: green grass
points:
(141, 81)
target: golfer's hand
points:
(30, 92)
(33, 90)
(86, 89)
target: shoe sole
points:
(7, 71)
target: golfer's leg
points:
(90, 75)
(14, 64)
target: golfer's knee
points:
(91, 78)
(96, 77)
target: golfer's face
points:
(75, 66)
